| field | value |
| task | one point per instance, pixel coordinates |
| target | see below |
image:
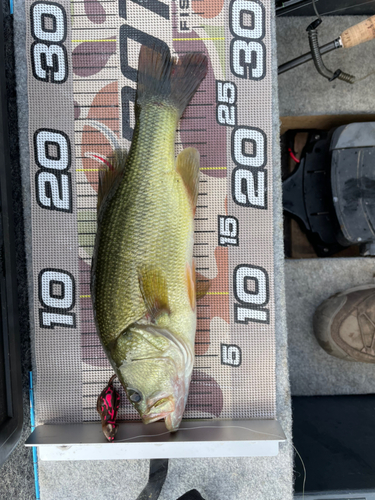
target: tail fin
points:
(162, 78)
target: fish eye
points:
(134, 396)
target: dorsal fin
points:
(111, 175)
(187, 165)
(153, 286)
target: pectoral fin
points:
(187, 165)
(153, 286)
(111, 176)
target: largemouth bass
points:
(143, 285)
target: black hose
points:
(157, 476)
(346, 77)
(328, 47)
(317, 57)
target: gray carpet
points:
(308, 283)
(302, 91)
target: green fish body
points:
(143, 279)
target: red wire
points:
(293, 156)
(105, 162)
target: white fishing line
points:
(316, 10)
(304, 471)
(225, 427)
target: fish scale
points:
(135, 205)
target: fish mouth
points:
(173, 409)
(159, 409)
(172, 424)
(149, 419)
(172, 421)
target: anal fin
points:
(190, 284)
(201, 286)
(153, 286)
(187, 165)
(202, 289)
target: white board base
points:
(134, 440)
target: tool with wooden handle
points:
(361, 32)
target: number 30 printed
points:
(49, 59)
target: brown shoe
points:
(344, 324)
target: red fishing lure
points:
(107, 406)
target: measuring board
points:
(82, 73)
